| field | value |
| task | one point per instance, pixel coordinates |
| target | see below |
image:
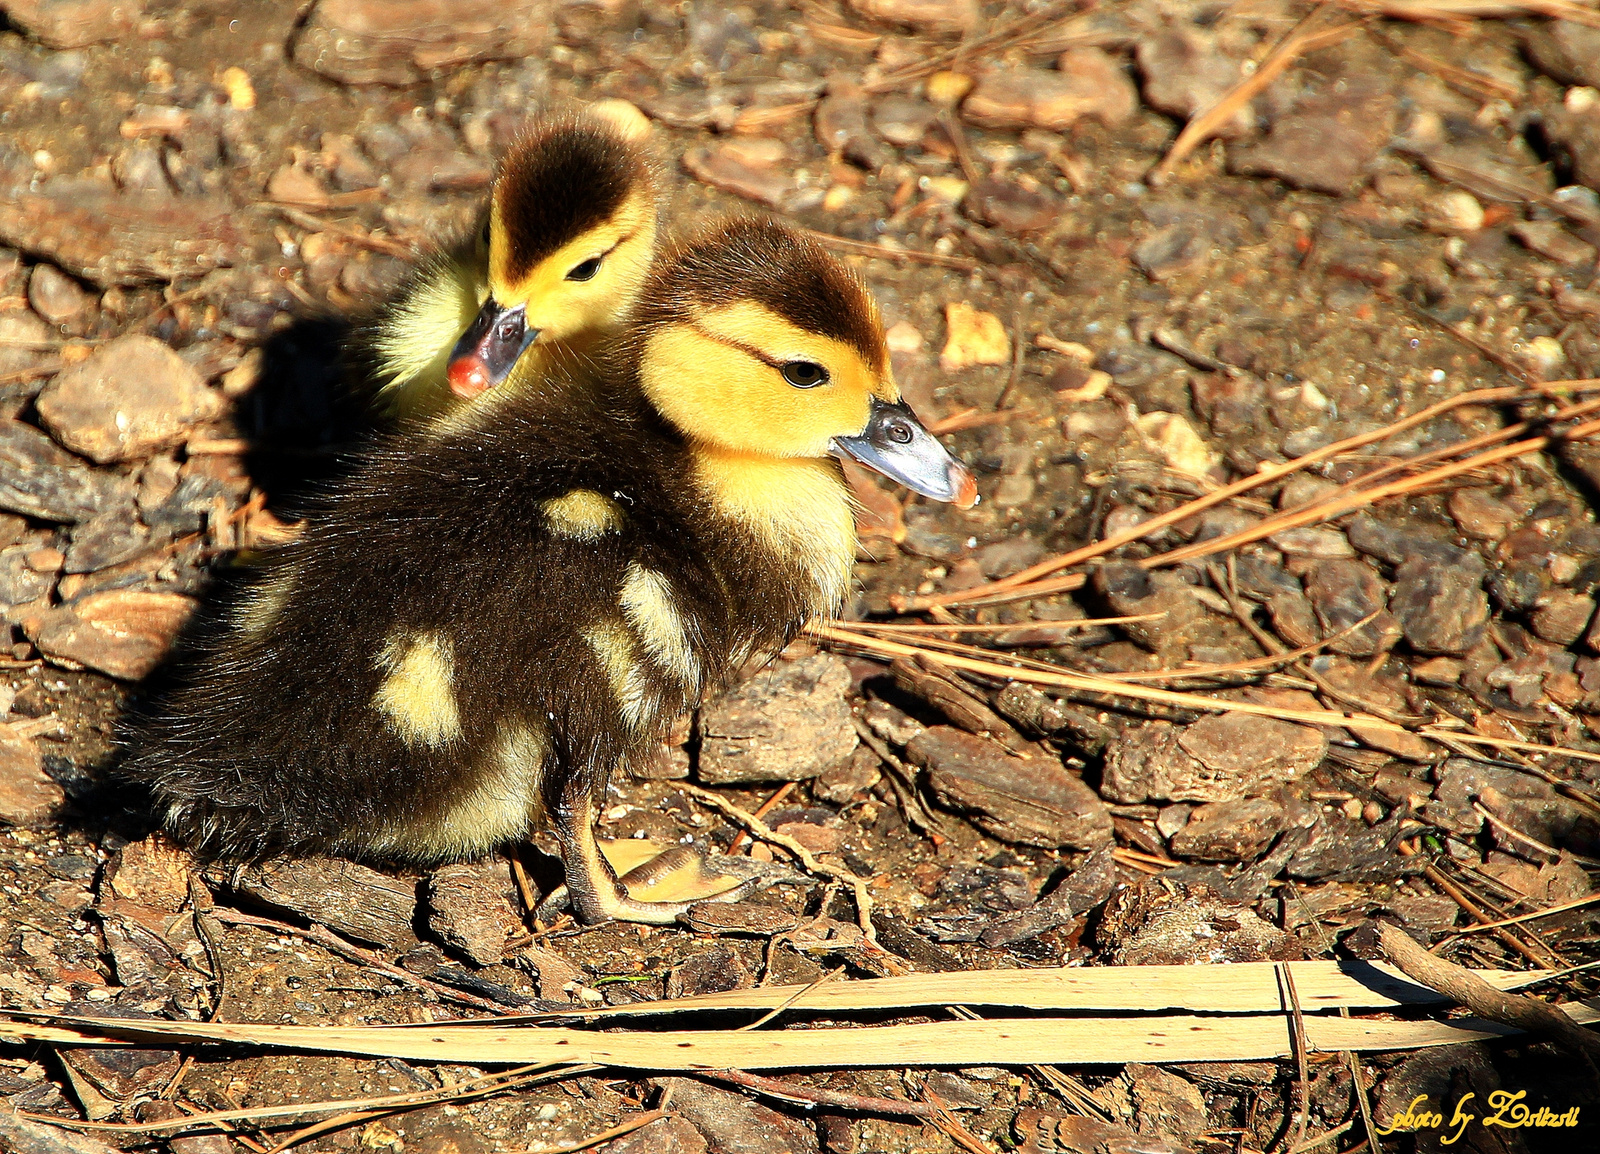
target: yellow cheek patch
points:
(649, 607)
(619, 657)
(417, 698)
(720, 381)
(416, 337)
(582, 515)
(755, 326)
(796, 508)
(560, 308)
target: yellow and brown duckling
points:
(555, 266)
(487, 622)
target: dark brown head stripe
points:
(766, 262)
(560, 179)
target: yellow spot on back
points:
(504, 804)
(619, 657)
(798, 508)
(648, 604)
(261, 607)
(583, 515)
(625, 117)
(417, 698)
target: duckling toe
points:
(680, 875)
(637, 880)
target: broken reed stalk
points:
(1249, 665)
(1459, 983)
(975, 419)
(1027, 583)
(813, 1096)
(883, 252)
(1562, 908)
(1542, 957)
(1023, 1041)
(974, 48)
(1327, 510)
(966, 627)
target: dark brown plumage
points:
(819, 295)
(561, 178)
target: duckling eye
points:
(586, 270)
(805, 374)
(487, 226)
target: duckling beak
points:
(897, 445)
(487, 351)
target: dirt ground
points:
(205, 200)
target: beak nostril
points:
(900, 433)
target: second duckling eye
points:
(805, 374)
(585, 270)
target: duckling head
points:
(755, 341)
(568, 241)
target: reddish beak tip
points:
(967, 494)
(468, 376)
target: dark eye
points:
(805, 374)
(487, 226)
(586, 270)
(899, 432)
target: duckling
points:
(489, 621)
(555, 265)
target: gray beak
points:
(896, 445)
(489, 349)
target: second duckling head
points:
(755, 341)
(570, 234)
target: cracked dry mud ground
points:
(202, 199)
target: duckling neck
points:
(795, 508)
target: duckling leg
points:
(598, 895)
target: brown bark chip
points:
(130, 398)
(1032, 801)
(400, 42)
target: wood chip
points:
(972, 338)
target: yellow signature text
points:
(1506, 1110)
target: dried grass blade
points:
(1244, 987)
(1266, 475)
(1024, 1041)
(1089, 683)
(1458, 12)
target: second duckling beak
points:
(487, 351)
(896, 445)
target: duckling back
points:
(481, 626)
